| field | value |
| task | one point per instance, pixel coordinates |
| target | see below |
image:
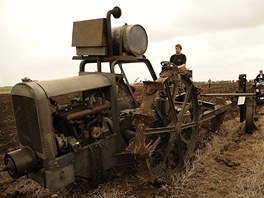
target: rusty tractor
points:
(80, 127)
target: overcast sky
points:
(221, 38)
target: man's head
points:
(178, 48)
(261, 71)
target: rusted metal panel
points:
(89, 37)
(91, 51)
(63, 86)
(73, 84)
(210, 114)
(89, 33)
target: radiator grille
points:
(27, 122)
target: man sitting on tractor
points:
(178, 59)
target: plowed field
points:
(227, 163)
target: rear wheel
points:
(177, 145)
(168, 147)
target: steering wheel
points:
(168, 64)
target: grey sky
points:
(221, 38)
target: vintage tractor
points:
(82, 127)
(258, 88)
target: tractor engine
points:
(67, 127)
(81, 126)
(81, 121)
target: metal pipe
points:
(116, 12)
(228, 94)
(99, 65)
(80, 114)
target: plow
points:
(81, 127)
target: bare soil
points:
(226, 163)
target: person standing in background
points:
(209, 82)
(260, 76)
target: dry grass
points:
(252, 182)
(231, 165)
